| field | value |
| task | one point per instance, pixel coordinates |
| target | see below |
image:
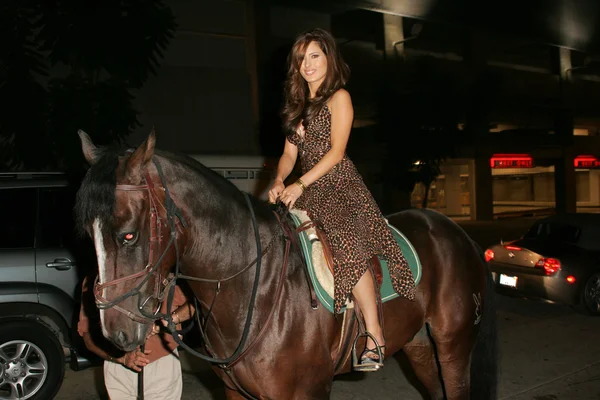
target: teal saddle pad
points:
(387, 291)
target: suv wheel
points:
(32, 362)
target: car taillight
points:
(489, 255)
(550, 265)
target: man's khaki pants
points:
(162, 380)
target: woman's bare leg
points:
(364, 294)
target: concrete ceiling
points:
(573, 24)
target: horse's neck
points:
(219, 235)
(220, 242)
(234, 299)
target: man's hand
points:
(135, 359)
(156, 328)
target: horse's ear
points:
(142, 155)
(90, 151)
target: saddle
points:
(322, 257)
(319, 260)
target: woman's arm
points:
(285, 167)
(287, 161)
(342, 115)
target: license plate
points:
(508, 280)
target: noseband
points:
(161, 284)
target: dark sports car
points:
(557, 259)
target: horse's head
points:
(121, 206)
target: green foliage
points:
(95, 53)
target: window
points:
(56, 224)
(554, 231)
(18, 215)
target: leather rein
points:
(174, 219)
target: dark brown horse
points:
(148, 210)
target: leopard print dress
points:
(350, 217)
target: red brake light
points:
(489, 255)
(515, 248)
(571, 279)
(550, 265)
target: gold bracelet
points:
(301, 184)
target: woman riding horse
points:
(318, 116)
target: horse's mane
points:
(222, 185)
(96, 196)
(213, 178)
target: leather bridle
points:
(161, 284)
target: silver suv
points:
(39, 284)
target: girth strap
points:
(294, 239)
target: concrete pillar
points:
(393, 37)
(395, 197)
(564, 170)
(564, 57)
(258, 27)
(480, 173)
(564, 183)
(393, 62)
(453, 190)
(393, 33)
(478, 109)
(270, 60)
(594, 187)
(472, 188)
(482, 198)
(254, 13)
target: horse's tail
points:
(484, 359)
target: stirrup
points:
(367, 364)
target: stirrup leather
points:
(367, 364)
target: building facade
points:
(529, 96)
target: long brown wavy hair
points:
(298, 106)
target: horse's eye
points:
(129, 237)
